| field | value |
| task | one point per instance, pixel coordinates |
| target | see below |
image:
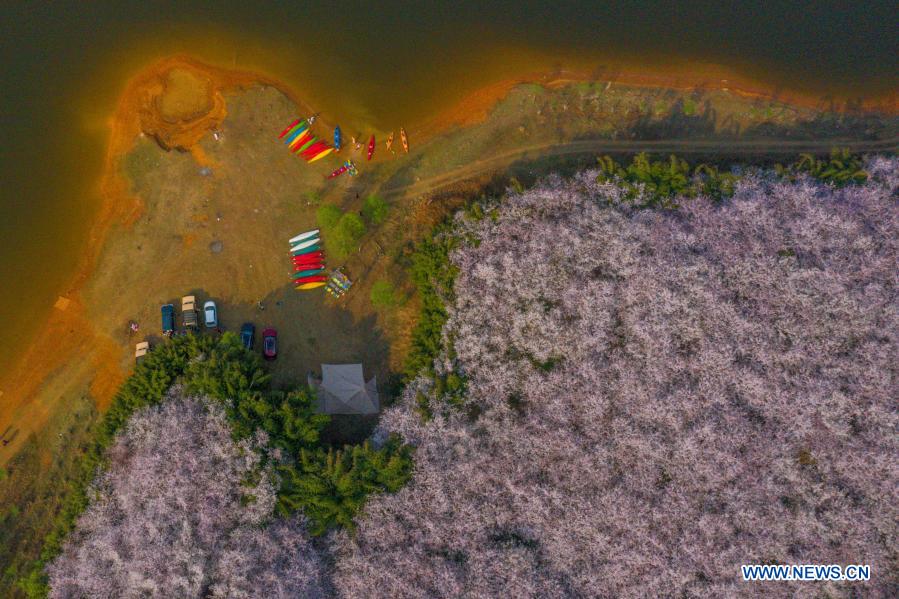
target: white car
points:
(140, 350)
(210, 315)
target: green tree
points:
(332, 486)
(375, 209)
(346, 235)
(327, 216)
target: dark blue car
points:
(168, 319)
(247, 331)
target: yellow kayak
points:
(322, 155)
(310, 285)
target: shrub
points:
(327, 216)
(375, 209)
(345, 237)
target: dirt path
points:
(785, 147)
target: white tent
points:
(343, 390)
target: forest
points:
(622, 384)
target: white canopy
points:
(343, 390)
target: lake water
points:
(381, 63)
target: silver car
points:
(210, 315)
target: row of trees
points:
(222, 369)
(660, 183)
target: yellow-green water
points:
(382, 64)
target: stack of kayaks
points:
(299, 139)
(338, 283)
(308, 260)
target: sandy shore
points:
(177, 101)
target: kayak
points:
(309, 250)
(340, 171)
(306, 145)
(309, 272)
(390, 142)
(289, 127)
(337, 138)
(300, 141)
(317, 256)
(298, 270)
(314, 149)
(302, 236)
(404, 139)
(298, 127)
(304, 244)
(371, 147)
(308, 263)
(312, 279)
(305, 267)
(321, 155)
(313, 285)
(295, 133)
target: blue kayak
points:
(337, 138)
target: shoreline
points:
(140, 111)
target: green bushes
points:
(327, 216)
(342, 230)
(375, 209)
(346, 235)
(434, 276)
(842, 168)
(659, 182)
(331, 486)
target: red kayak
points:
(300, 141)
(313, 150)
(304, 262)
(312, 279)
(302, 258)
(313, 257)
(371, 147)
(289, 127)
(310, 266)
(312, 254)
(339, 171)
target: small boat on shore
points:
(289, 127)
(300, 141)
(312, 285)
(309, 250)
(304, 244)
(337, 138)
(312, 279)
(404, 139)
(321, 154)
(308, 263)
(313, 257)
(390, 142)
(371, 147)
(302, 236)
(309, 273)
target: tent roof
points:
(343, 390)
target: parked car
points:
(270, 344)
(247, 331)
(189, 311)
(140, 350)
(168, 319)
(210, 314)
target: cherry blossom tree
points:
(654, 398)
(181, 511)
